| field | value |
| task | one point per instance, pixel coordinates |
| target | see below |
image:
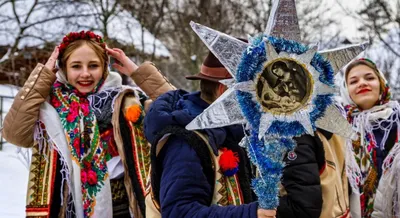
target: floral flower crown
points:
(73, 36)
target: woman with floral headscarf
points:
(373, 160)
(90, 157)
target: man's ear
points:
(221, 89)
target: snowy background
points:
(14, 162)
(14, 169)
(122, 26)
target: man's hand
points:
(262, 213)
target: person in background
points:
(197, 173)
(373, 166)
(190, 177)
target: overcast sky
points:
(339, 10)
(349, 25)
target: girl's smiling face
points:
(364, 86)
(84, 69)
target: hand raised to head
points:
(51, 62)
(124, 65)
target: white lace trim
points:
(383, 118)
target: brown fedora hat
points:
(211, 70)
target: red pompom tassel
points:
(229, 160)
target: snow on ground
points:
(14, 169)
(13, 183)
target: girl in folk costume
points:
(90, 158)
(373, 161)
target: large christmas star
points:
(229, 50)
(280, 89)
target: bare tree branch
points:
(15, 12)
(30, 11)
(56, 18)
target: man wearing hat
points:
(197, 173)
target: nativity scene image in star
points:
(283, 86)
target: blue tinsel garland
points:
(268, 155)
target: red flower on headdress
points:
(62, 47)
(91, 34)
(72, 36)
